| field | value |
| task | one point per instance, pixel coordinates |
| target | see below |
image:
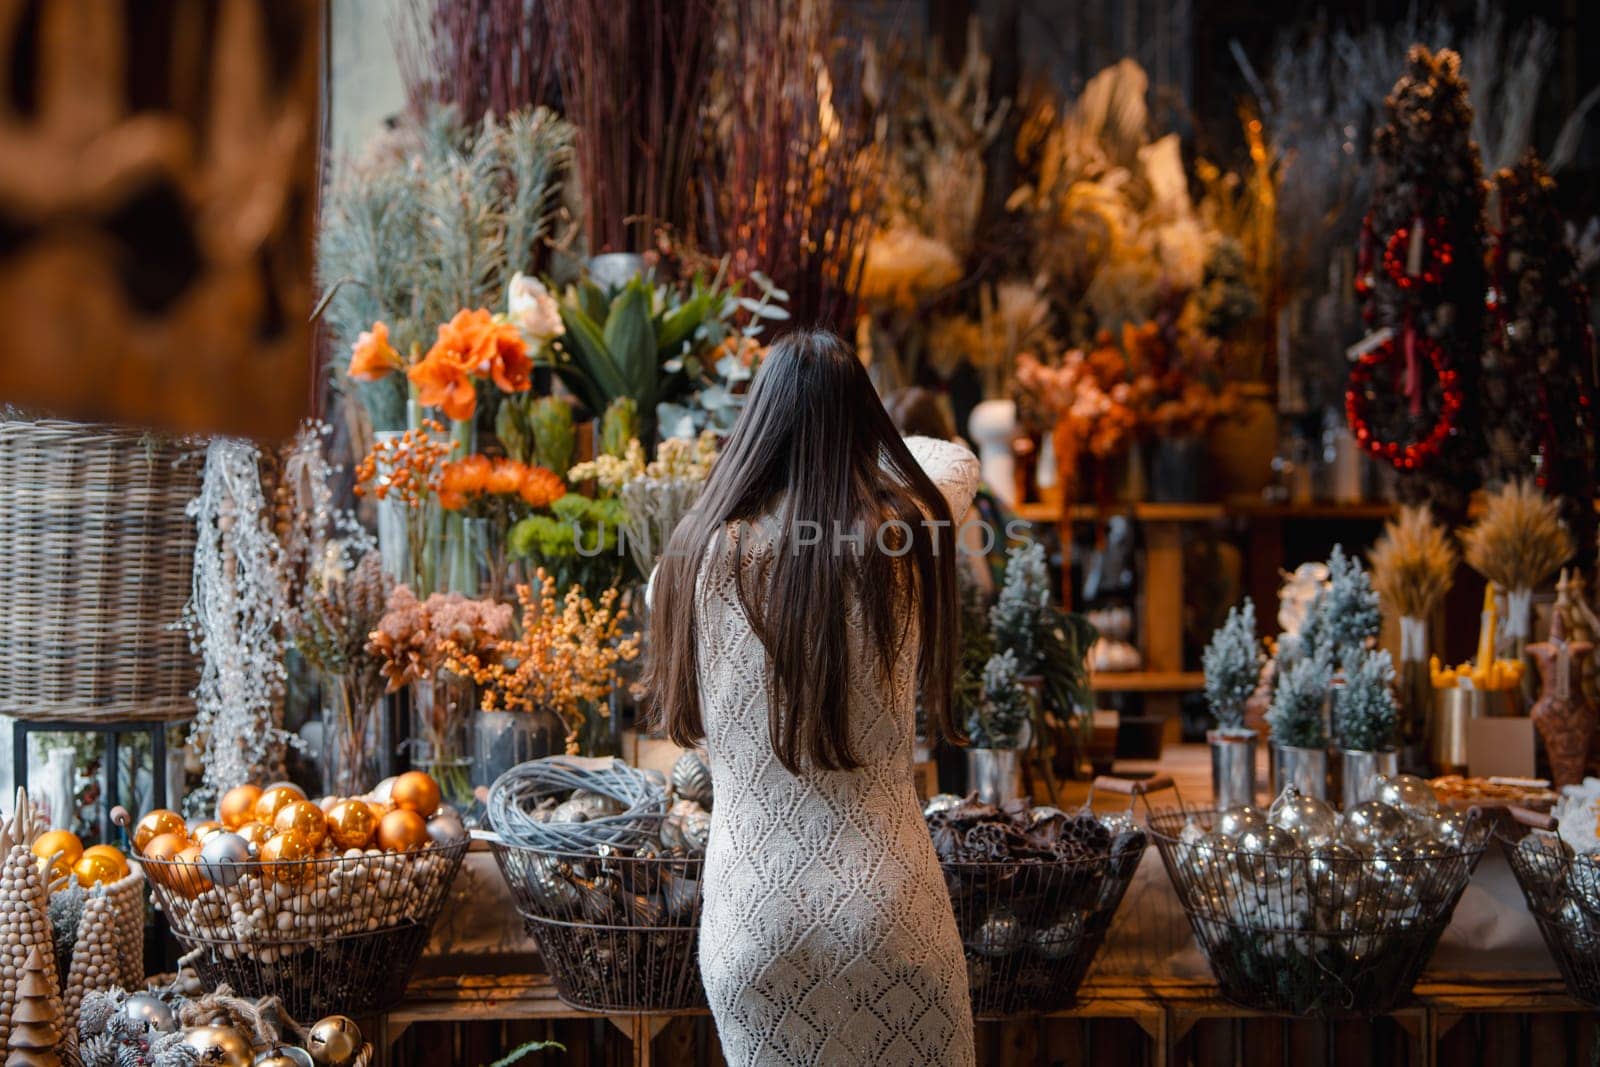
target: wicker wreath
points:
(515, 795)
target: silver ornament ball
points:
(999, 934)
(445, 828)
(223, 857)
(691, 779)
(218, 1046)
(150, 1012)
(1266, 856)
(1311, 822)
(1061, 938)
(334, 1041)
(1235, 822)
(1372, 824)
(940, 802)
(1334, 872)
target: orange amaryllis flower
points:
(443, 381)
(471, 345)
(501, 355)
(541, 487)
(372, 357)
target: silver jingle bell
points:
(149, 1012)
(285, 1056)
(218, 1046)
(939, 802)
(334, 1041)
(1311, 822)
(1266, 856)
(1236, 821)
(696, 831)
(595, 805)
(1061, 938)
(691, 779)
(1407, 792)
(549, 883)
(998, 935)
(1372, 824)
(223, 857)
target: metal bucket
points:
(1357, 771)
(995, 774)
(1304, 768)
(1233, 768)
(1452, 710)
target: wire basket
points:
(1030, 930)
(96, 572)
(1324, 937)
(332, 935)
(618, 933)
(1563, 893)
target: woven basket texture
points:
(96, 561)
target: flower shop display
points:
(1421, 278)
(1563, 714)
(325, 909)
(1413, 567)
(604, 861)
(1517, 545)
(178, 1024)
(1305, 911)
(1233, 662)
(413, 643)
(115, 501)
(1034, 890)
(655, 496)
(563, 660)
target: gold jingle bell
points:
(334, 1041)
(218, 1046)
(285, 1056)
(154, 824)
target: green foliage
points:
(1006, 709)
(1297, 700)
(1345, 613)
(537, 430)
(1024, 599)
(1232, 663)
(1364, 710)
(576, 543)
(619, 426)
(436, 218)
(977, 645)
(522, 1051)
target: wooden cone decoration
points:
(36, 1023)
(24, 927)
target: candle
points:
(1486, 630)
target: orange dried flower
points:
(372, 357)
(411, 466)
(504, 477)
(541, 487)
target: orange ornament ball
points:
(351, 824)
(282, 858)
(186, 876)
(304, 818)
(154, 824)
(53, 841)
(402, 830)
(238, 805)
(256, 834)
(97, 868)
(162, 851)
(204, 829)
(416, 791)
(275, 800)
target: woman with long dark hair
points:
(800, 609)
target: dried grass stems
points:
(1413, 563)
(634, 76)
(482, 57)
(1520, 540)
(789, 182)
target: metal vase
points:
(995, 774)
(1233, 768)
(1358, 769)
(1452, 710)
(1304, 768)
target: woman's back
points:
(827, 935)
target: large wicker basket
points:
(95, 573)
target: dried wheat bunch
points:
(1413, 563)
(1520, 540)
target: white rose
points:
(532, 309)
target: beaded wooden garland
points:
(1407, 456)
(1437, 256)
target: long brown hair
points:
(814, 450)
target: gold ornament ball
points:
(255, 833)
(334, 1041)
(378, 810)
(188, 877)
(416, 791)
(219, 1046)
(351, 824)
(275, 800)
(282, 858)
(162, 851)
(238, 805)
(97, 869)
(112, 853)
(204, 829)
(154, 824)
(53, 841)
(402, 830)
(304, 818)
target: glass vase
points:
(352, 741)
(503, 739)
(441, 716)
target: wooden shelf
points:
(1240, 508)
(1147, 681)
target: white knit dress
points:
(827, 936)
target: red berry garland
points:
(1438, 255)
(1406, 457)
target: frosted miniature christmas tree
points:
(1364, 710)
(1345, 613)
(1232, 663)
(1296, 713)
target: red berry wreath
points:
(1391, 356)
